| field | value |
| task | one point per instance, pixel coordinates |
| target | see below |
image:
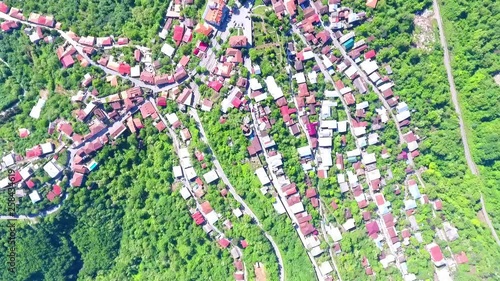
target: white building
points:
(47, 148)
(237, 213)
(177, 172)
(255, 84)
(167, 50)
(190, 173)
(211, 176)
(8, 160)
(52, 169)
(325, 268)
(304, 151)
(262, 175)
(185, 192)
(273, 88)
(300, 77)
(35, 197)
(349, 224)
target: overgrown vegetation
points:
(472, 33)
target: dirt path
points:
(456, 104)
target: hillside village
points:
(335, 99)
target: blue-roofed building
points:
(349, 44)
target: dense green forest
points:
(473, 36)
(129, 226)
(137, 20)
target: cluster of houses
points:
(288, 197)
(227, 64)
(7, 26)
(24, 169)
(204, 215)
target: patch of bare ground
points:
(260, 272)
(481, 217)
(44, 94)
(176, 186)
(424, 32)
(59, 89)
(497, 79)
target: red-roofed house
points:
(215, 85)
(310, 193)
(349, 99)
(372, 229)
(67, 61)
(56, 189)
(4, 8)
(436, 254)
(147, 109)
(461, 258)
(370, 54)
(371, 3)
(124, 69)
(239, 41)
(184, 61)
(367, 216)
(147, 77)
(162, 101)
(180, 74)
(178, 34)
(51, 196)
(438, 205)
(224, 243)
(244, 244)
(303, 92)
(188, 36)
(34, 152)
(30, 184)
(160, 126)
(137, 55)
(122, 41)
(77, 180)
(198, 218)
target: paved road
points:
(42, 214)
(453, 90)
(79, 48)
(454, 97)
(282, 196)
(346, 109)
(237, 197)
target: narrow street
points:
(79, 49)
(233, 192)
(281, 197)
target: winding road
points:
(79, 49)
(454, 97)
(237, 197)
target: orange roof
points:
(371, 3)
(204, 29)
(214, 16)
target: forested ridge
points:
(473, 34)
(132, 225)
